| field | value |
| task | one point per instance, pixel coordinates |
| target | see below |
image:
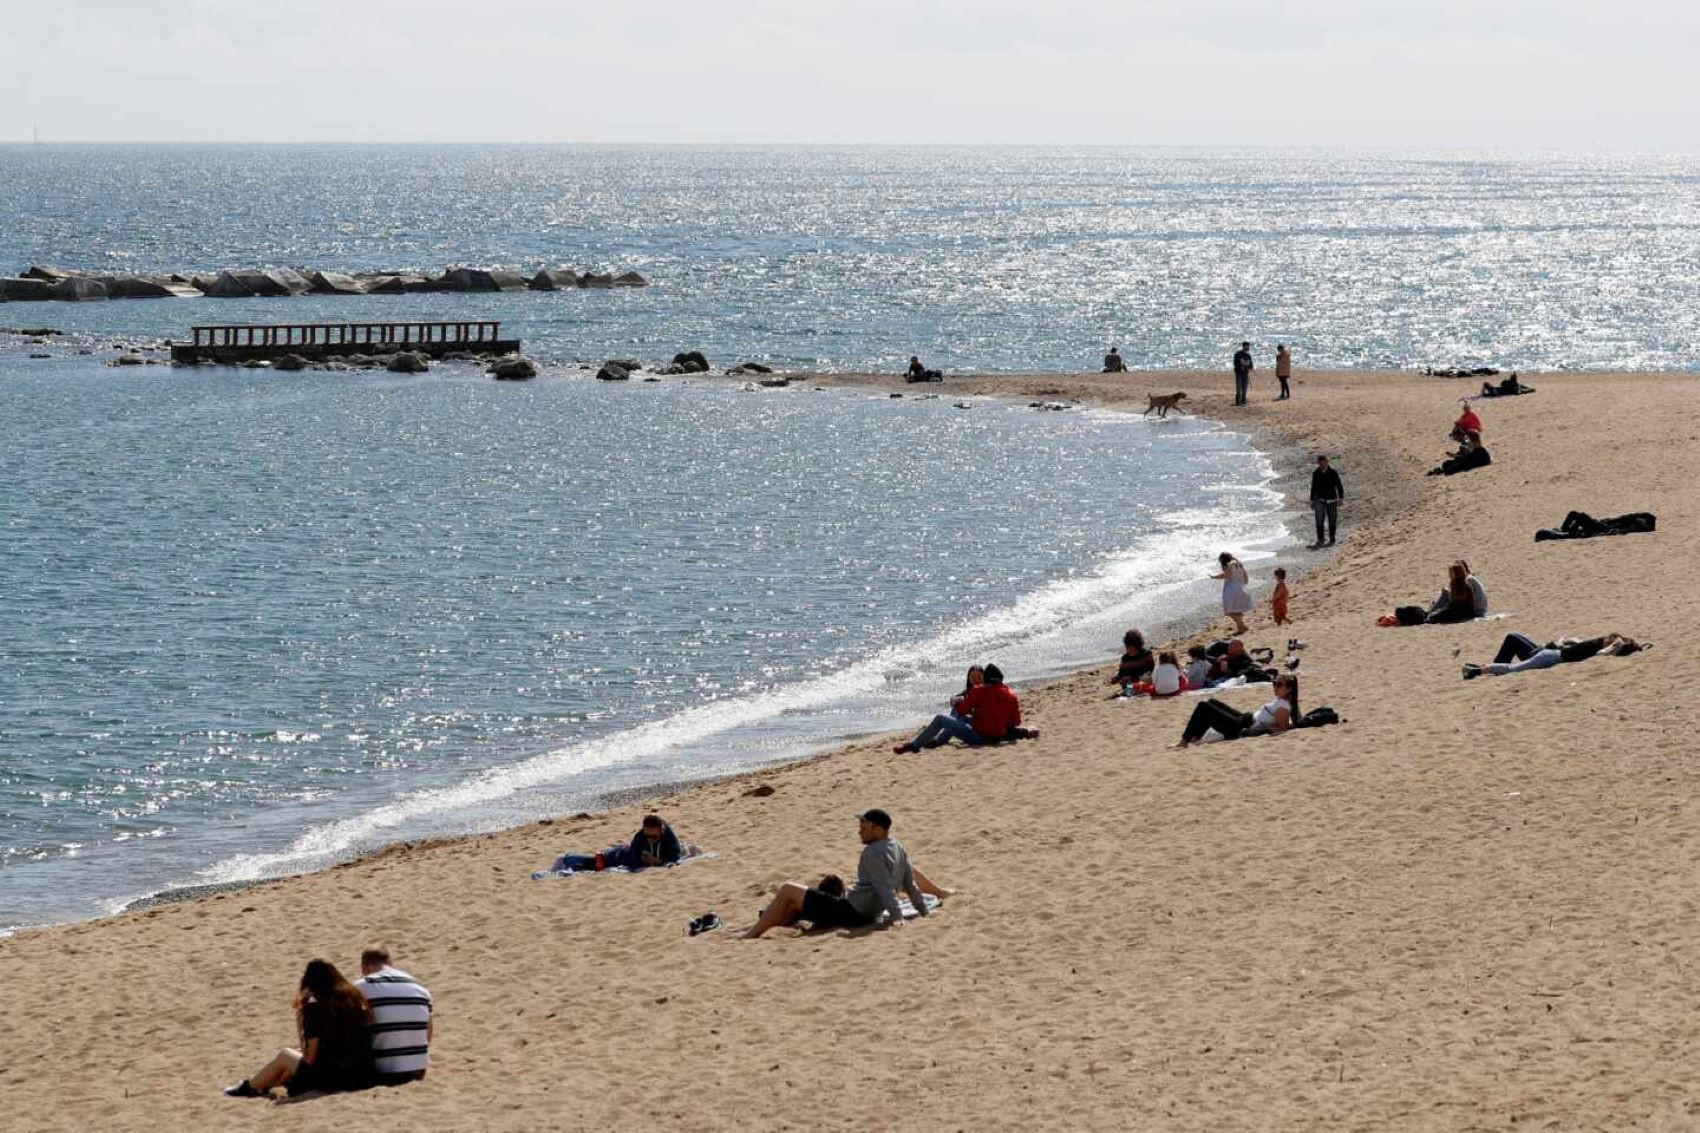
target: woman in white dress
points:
(1236, 599)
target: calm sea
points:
(251, 623)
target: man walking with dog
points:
(1326, 492)
(1242, 372)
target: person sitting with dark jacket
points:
(986, 715)
(654, 844)
(1137, 661)
(1470, 455)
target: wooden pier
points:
(324, 340)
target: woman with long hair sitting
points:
(1276, 716)
(333, 1021)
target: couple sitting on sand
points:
(373, 1032)
(985, 712)
(882, 871)
(1462, 599)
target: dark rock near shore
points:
(79, 290)
(334, 283)
(691, 362)
(290, 363)
(127, 360)
(554, 280)
(148, 287)
(612, 372)
(591, 279)
(50, 274)
(24, 290)
(630, 279)
(514, 368)
(31, 332)
(408, 362)
(477, 279)
(632, 365)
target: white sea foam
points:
(1060, 625)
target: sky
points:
(1575, 75)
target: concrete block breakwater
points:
(43, 284)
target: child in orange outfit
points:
(1278, 600)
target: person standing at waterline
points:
(1242, 372)
(1326, 492)
(1283, 370)
(1236, 599)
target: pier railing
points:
(469, 334)
(238, 343)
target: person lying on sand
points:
(1276, 716)
(333, 1021)
(1519, 654)
(654, 844)
(986, 715)
(881, 872)
(1232, 661)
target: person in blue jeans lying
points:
(654, 844)
(1518, 654)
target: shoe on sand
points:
(242, 1090)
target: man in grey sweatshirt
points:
(883, 870)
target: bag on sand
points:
(1319, 718)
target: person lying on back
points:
(987, 714)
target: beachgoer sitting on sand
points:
(1137, 661)
(1462, 599)
(333, 1022)
(976, 678)
(1113, 363)
(1467, 423)
(1519, 654)
(1470, 455)
(881, 872)
(1199, 665)
(1508, 387)
(654, 844)
(1276, 716)
(919, 373)
(1165, 680)
(1232, 661)
(402, 1022)
(987, 714)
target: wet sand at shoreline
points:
(1471, 905)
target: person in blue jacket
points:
(654, 844)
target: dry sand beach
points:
(1471, 906)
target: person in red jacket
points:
(1467, 422)
(990, 712)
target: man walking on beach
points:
(1326, 492)
(401, 1018)
(1283, 370)
(882, 870)
(1242, 372)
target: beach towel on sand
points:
(691, 855)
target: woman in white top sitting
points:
(1166, 678)
(1276, 716)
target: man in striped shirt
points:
(401, 1018)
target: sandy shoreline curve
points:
(1470, 905)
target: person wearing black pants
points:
(1326, 492)
(1242, 372)
(1276, 716)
